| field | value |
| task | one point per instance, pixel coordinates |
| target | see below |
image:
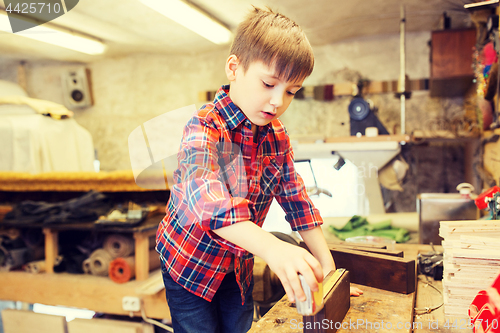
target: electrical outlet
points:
(131, 303)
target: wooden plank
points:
(471, 260)
(21, 321)
(77, 181)
(142, 255)
(51, 249)
(344, 89)
(106, 326)
(452, 53)
(395, 137)
(377, 270)
(394, 253)
(336, 304)
(91, 292)
(376, 310)
(373, 246)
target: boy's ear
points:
(232, 64)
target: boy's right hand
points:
(287, 261)
(284, 259)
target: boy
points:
(235, 157)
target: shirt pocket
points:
(272, 167)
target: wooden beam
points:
(394, 253)
(336, 304)
(51, 249)
(377, 270)
(374, 311)
(107, 326)
(91, 292)
(329, 92)
(387, 272)
(20, 321)
(142, 255)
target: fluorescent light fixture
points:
(191, 18)
(48, 33)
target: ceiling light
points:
(191, 18)
(54, 35)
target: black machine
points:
(363, 115)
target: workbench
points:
(100, 294)
(379, 310)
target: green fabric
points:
(359, 226)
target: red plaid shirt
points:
(223, 177)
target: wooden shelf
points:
(115, 181)
(394, 137)
(141, 234)
(95, 293)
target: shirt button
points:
(247, 138)
(273, 160)
(223, 270)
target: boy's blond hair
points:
(275, 40)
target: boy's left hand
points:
(356, 291)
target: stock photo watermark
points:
(364, 324)
(159, 160)
(26, 14)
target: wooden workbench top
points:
(81, 181)
(85, 291)
(379, 310)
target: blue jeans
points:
(225, 314)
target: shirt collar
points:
(229, 111)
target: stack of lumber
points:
(471, 261)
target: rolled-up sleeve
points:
(299, 209)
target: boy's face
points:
(258, 92)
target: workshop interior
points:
(395, 135)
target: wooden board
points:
(375, 311)
(21, 321)
(96, 326)
(429, 295)
(336, 304)
(77, 181)
(394, 253)
(471, 261)
(377, 270)
(107, 326)
(95, 293)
